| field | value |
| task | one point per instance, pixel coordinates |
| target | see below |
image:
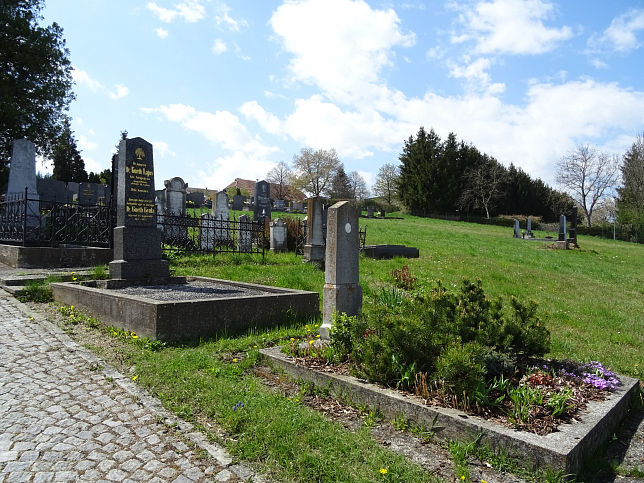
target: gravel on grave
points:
(190, 291)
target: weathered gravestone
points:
(22, 176)
(137, 242)
(238, 201)
(278, 236)
(528, 231)
(245, 234)
(314, 246)
(517, 230)
(221, 219)
(562, 228)
(175, 198)
(53, 190)
(262, 208)
(206, 232)
(280, 205)
(196, 198)
(175, 195)
(342, 292)
(370, 211)
(573, 226)
(92, 194)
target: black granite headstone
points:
(137, 242)
(262, 200)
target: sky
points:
(227, 89)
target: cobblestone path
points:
(61, 419)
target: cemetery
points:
(370, 311)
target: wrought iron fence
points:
(301, 236)
(34, 222)
(206, 234)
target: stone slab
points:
(50, 257)
(176, 320)
(565, 450)
(390, 251)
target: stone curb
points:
(182, 428)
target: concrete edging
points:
(565, 450)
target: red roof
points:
(249, 185)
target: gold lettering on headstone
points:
(139, 203)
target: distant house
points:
(248, 185)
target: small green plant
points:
(406, 373)
(100, 272)
(36, 291)
(524, 399)
(400, 423)
(403, 278)
(559, 402)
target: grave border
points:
(565, 450)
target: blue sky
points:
(229, 89)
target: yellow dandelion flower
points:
(71, 308)
(317, 335)
(292, 339)
(463, 477)
(135, 336)
(254, 347)
(383, 471)
(135, 378)
(311, 342)
(235, 359)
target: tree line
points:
(438, 176)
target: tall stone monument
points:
(314, 246)
(517, 230)
(22, 175)
(137, 242)
(278, 233)
(342, 292)
(175, 194)
(562, 227)
(222, 219)
(262, 201)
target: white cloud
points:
(91, 165)
(85, 144)
(161, 33)
(269, 122)
(190, 11)
(340, 45)
(119, 92)
(621, 34)
(224, 20)
(83, 78)
(223, 170)
(221, 127)
(162, 149)
(219, 47)
(510, 27)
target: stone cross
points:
(137, 242)
(342, 292)
(22, 175)
(314, 246)
(278, 236)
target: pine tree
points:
(341, 186)
(68, 163)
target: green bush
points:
(460, 369)
(461, 337)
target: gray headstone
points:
(137, 242)
(93, 194)
(206, 232)
(22, 175)
(262, 207)
(517, 230)
(370, 211)
(280, 205)
(278, 236)
(53, 190)
(342, 292)
(528, 231)
(197, 198)
(175, 194)
(221, 218)
(73, 187)
(562, 228)
(245, 234)
(314, 246)
(238, 201)
(573, 226)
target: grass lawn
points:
(591, 300)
